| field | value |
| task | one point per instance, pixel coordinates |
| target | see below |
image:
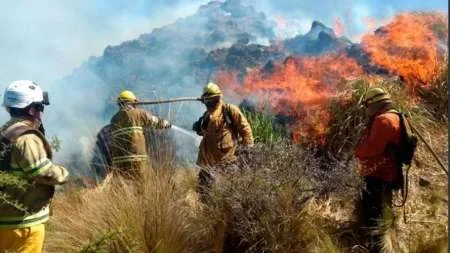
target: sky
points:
(45, 40)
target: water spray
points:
(188, 133)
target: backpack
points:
(19, 192)
(408, 142)
(226, 109)
(6, 140)
(203, 121)
(404, 154)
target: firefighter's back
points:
(129, 147)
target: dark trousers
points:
(207, 177)
(377, 213)
(204, 184)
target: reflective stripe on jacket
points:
(30, 161)
(218, 145)
(128, 138)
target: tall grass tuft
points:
(123, 215)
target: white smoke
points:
(45, 40)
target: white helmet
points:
(22, 93)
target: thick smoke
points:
(45, 40)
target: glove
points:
(202, 123)
(166, 124)
(196, 127)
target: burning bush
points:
(435, 97)
(298, 89)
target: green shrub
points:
(264, 128)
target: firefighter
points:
(101, 160)
(224, 128)
(26, 155)
(129, 145)
(378, 163)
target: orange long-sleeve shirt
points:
(371, 152)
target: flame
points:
(409, 46)
(338, 27)
(299, 88)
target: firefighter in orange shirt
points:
(377, 161)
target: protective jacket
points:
(374, 151)
(220, 141)
(29, 159)
(129, 146)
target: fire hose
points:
(441, 164)
(152, 102)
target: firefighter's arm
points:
(242, 126)
(376, 141)
(30, 158)
(155, 122)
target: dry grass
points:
(146, 215)
(268, 207)
(285, 200)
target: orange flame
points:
(301, 88)
(298, 88)
(409, 46)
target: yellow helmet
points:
(211, 90)
(375, 95)
(126, 96)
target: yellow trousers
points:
(22, 240)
